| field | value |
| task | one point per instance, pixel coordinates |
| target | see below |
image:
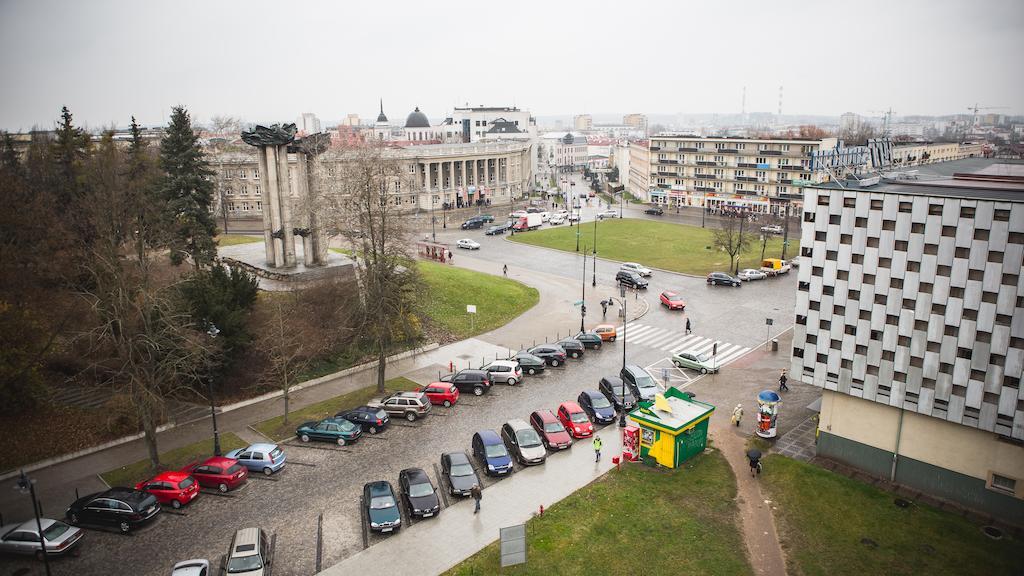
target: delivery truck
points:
(527, 222)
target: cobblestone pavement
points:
(799, 442)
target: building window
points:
(241, 173)
(256, 173)
(1002, 483)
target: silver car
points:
(23, 538)
(523, 442)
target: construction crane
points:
(975, 108)
(887, 114)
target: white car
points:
(772, 229)
(507, 371)
(634, 267)
(564, 213)
(748, 274)
(544, 216)
(197, 567)
(574, 217)
(607, 214)
(518, 214)
(468, 244)
(557, 219)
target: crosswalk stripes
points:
(674, 342)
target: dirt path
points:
(758, 525)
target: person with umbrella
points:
(754, 456)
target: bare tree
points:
(290, 346)
(732, 239)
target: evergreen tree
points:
(187, 190)
(69, 150)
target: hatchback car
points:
(616, 391)
(495, 230)
(597, 406)
(441, 393)
(473, 223)
(630, 279)
(336, 430)
(748, 274)
(372, 420)
(553, 354)
(699, 361)
(552, 432)
(529, 363)
(573, 347)
(672, 300)
(475, 381)
(459, 472)
(575, 420)
(524, 442)
(218, 472)
(172, 487)
(557, 219)
(634, 267)
(506, 371)
(381, 506)
(23, 538)
(409, 405)
(723, 279)
(607, 214)
(266, 458)
(590, 339)
(656, 210)
(468, 244)
(492, 453)
(607, 332)
(418, 492)
(123, 508)
(250, 553)
(195, 567)
(640, 383)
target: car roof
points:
(379, 488)
(220, 461)
(634, 369)
(489, 437)
(612, 380)
(545, 415)
(192, 567)
(670, 293)
(503, 363)
(124, 494)
(416, 475)
(261, 447)
(457, 457)
(571, 406)
(244, 539)
(170, 476)
(592, 393)
(517, 424)
(472, 371)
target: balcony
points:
(703, 163)
(705, 189)
(746, 165)
(667, 161)
(728, 151)
(665, 186)
(746, 179)
(786, 181)
(681, 149)
(655, 148)
(664, 173)
(770, 152)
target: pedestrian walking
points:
(604, 309)
(737, 414)
(504, 270)
(597, 448)
(477, 495)
(451, 257)
(688, 330)
(782, 382)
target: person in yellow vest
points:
(597, 448)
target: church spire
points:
(381, 117)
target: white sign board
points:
(513, 545)
(471, 308)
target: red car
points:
(551, 430)
(575, 420)
(174, 488)
(218, 472)
(443, 393)
(673, 300)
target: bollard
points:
(451, 366)
(775, 344)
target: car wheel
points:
(478, 391)
(341, 441)
(304, 437)
(267, 471)
(575, 354)
(125, 527)
(531, 371)
(612, 339)
(176, 504)
(677, 364)
(222, 487)
(410, 416)
(372, 430)
(447, 404)
(554, 362)
(703, 370)
(451, 491)
(73, 518)
(511, 381)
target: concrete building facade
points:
(637, 121)
(583, 122)
(910, 317)
(564, 151)
(638, 179)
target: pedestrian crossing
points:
(674, 342)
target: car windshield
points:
(703, 357)
(578, 417)
(420, 490)
(233, 469)
(55, 530)
(381, 502)
(600, 402)
(186, 483)
(554, 427)
(528, 438)
(345, 425)
(462, 470)
(244, 564)
(495, 450)
(645, 382)
(381, 414)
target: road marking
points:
(675, 342)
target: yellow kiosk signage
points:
(673, 428)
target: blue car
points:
(492, 453)
(597, 406)
(266, 458)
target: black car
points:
(590, 339)
(640, 383)
(615, 390)
(723, 279)
(573, 347)
(459, 473)
(494, 230)
(656, 210)
(487, 218)
(123, 508)
(473, 223)
(631, 279)
(553, 354)
(597, 406)
(369, 418)
(418, 493)
(475, 381)
(529, 363)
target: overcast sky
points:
(270, 61)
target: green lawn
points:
(449, 289)
(171, 460)
(823, 517)
(635, 521)
(235, 239)
(686, 249)
(277, 429)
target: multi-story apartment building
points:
(638, 180)
(583, 122)
(921, 153)
(471, 124)
(564, 151)
(760, 175)
(910, 317)
(638, 121)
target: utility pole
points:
(785, 231)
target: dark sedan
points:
(590, 339)
(459, 472)
(368, 418)
(337, 430)
(656, 210)
(723, 279)
(381, 506)
(573, 347)
(553, 354)
(597, 406)
(123, 508)
(616, 391)
(418, 492)
(529, 363)
(494, 230)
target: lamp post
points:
(433, 220)
(583, 293)
(595, 254)
(27, 485)
(622, 301)
(212, 331)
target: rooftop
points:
(970, 178)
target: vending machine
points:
(631, 443)
(767, 413)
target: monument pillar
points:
(272, 147)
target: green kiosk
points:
(673, 428)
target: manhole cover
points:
(869, 542)
(901, 502)
(992, 532)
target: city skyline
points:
(217, 59)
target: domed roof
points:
(417, 119)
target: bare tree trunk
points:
(149, 435)
(287, 401)
(381, 368)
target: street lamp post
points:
(622, 302)
(583, 293)
(433, 219)
(212, 331)
(28, 485)
(595, 254)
